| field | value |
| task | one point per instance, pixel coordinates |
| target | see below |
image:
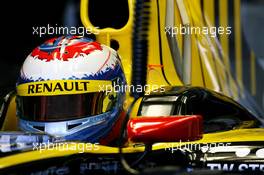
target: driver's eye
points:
(111, 97)
(109, 101)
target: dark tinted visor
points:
(64, 107)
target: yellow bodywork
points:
(210, 58)
(210, 68)
(221, 138)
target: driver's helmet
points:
(65, 89)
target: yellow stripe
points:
(223, 20)
(67, 149)
(238, 46)
(253, 73)
(62, 87)
(209, 12)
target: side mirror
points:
(165, 129)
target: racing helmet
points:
(66, 89)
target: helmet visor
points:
(64, 107)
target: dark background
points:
(17, 22)
(19, 18)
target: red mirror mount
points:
(165, 129)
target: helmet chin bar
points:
(65, 129)
(87, 129)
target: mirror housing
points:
(165, 129)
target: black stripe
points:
(202, 6)
(231, 40)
